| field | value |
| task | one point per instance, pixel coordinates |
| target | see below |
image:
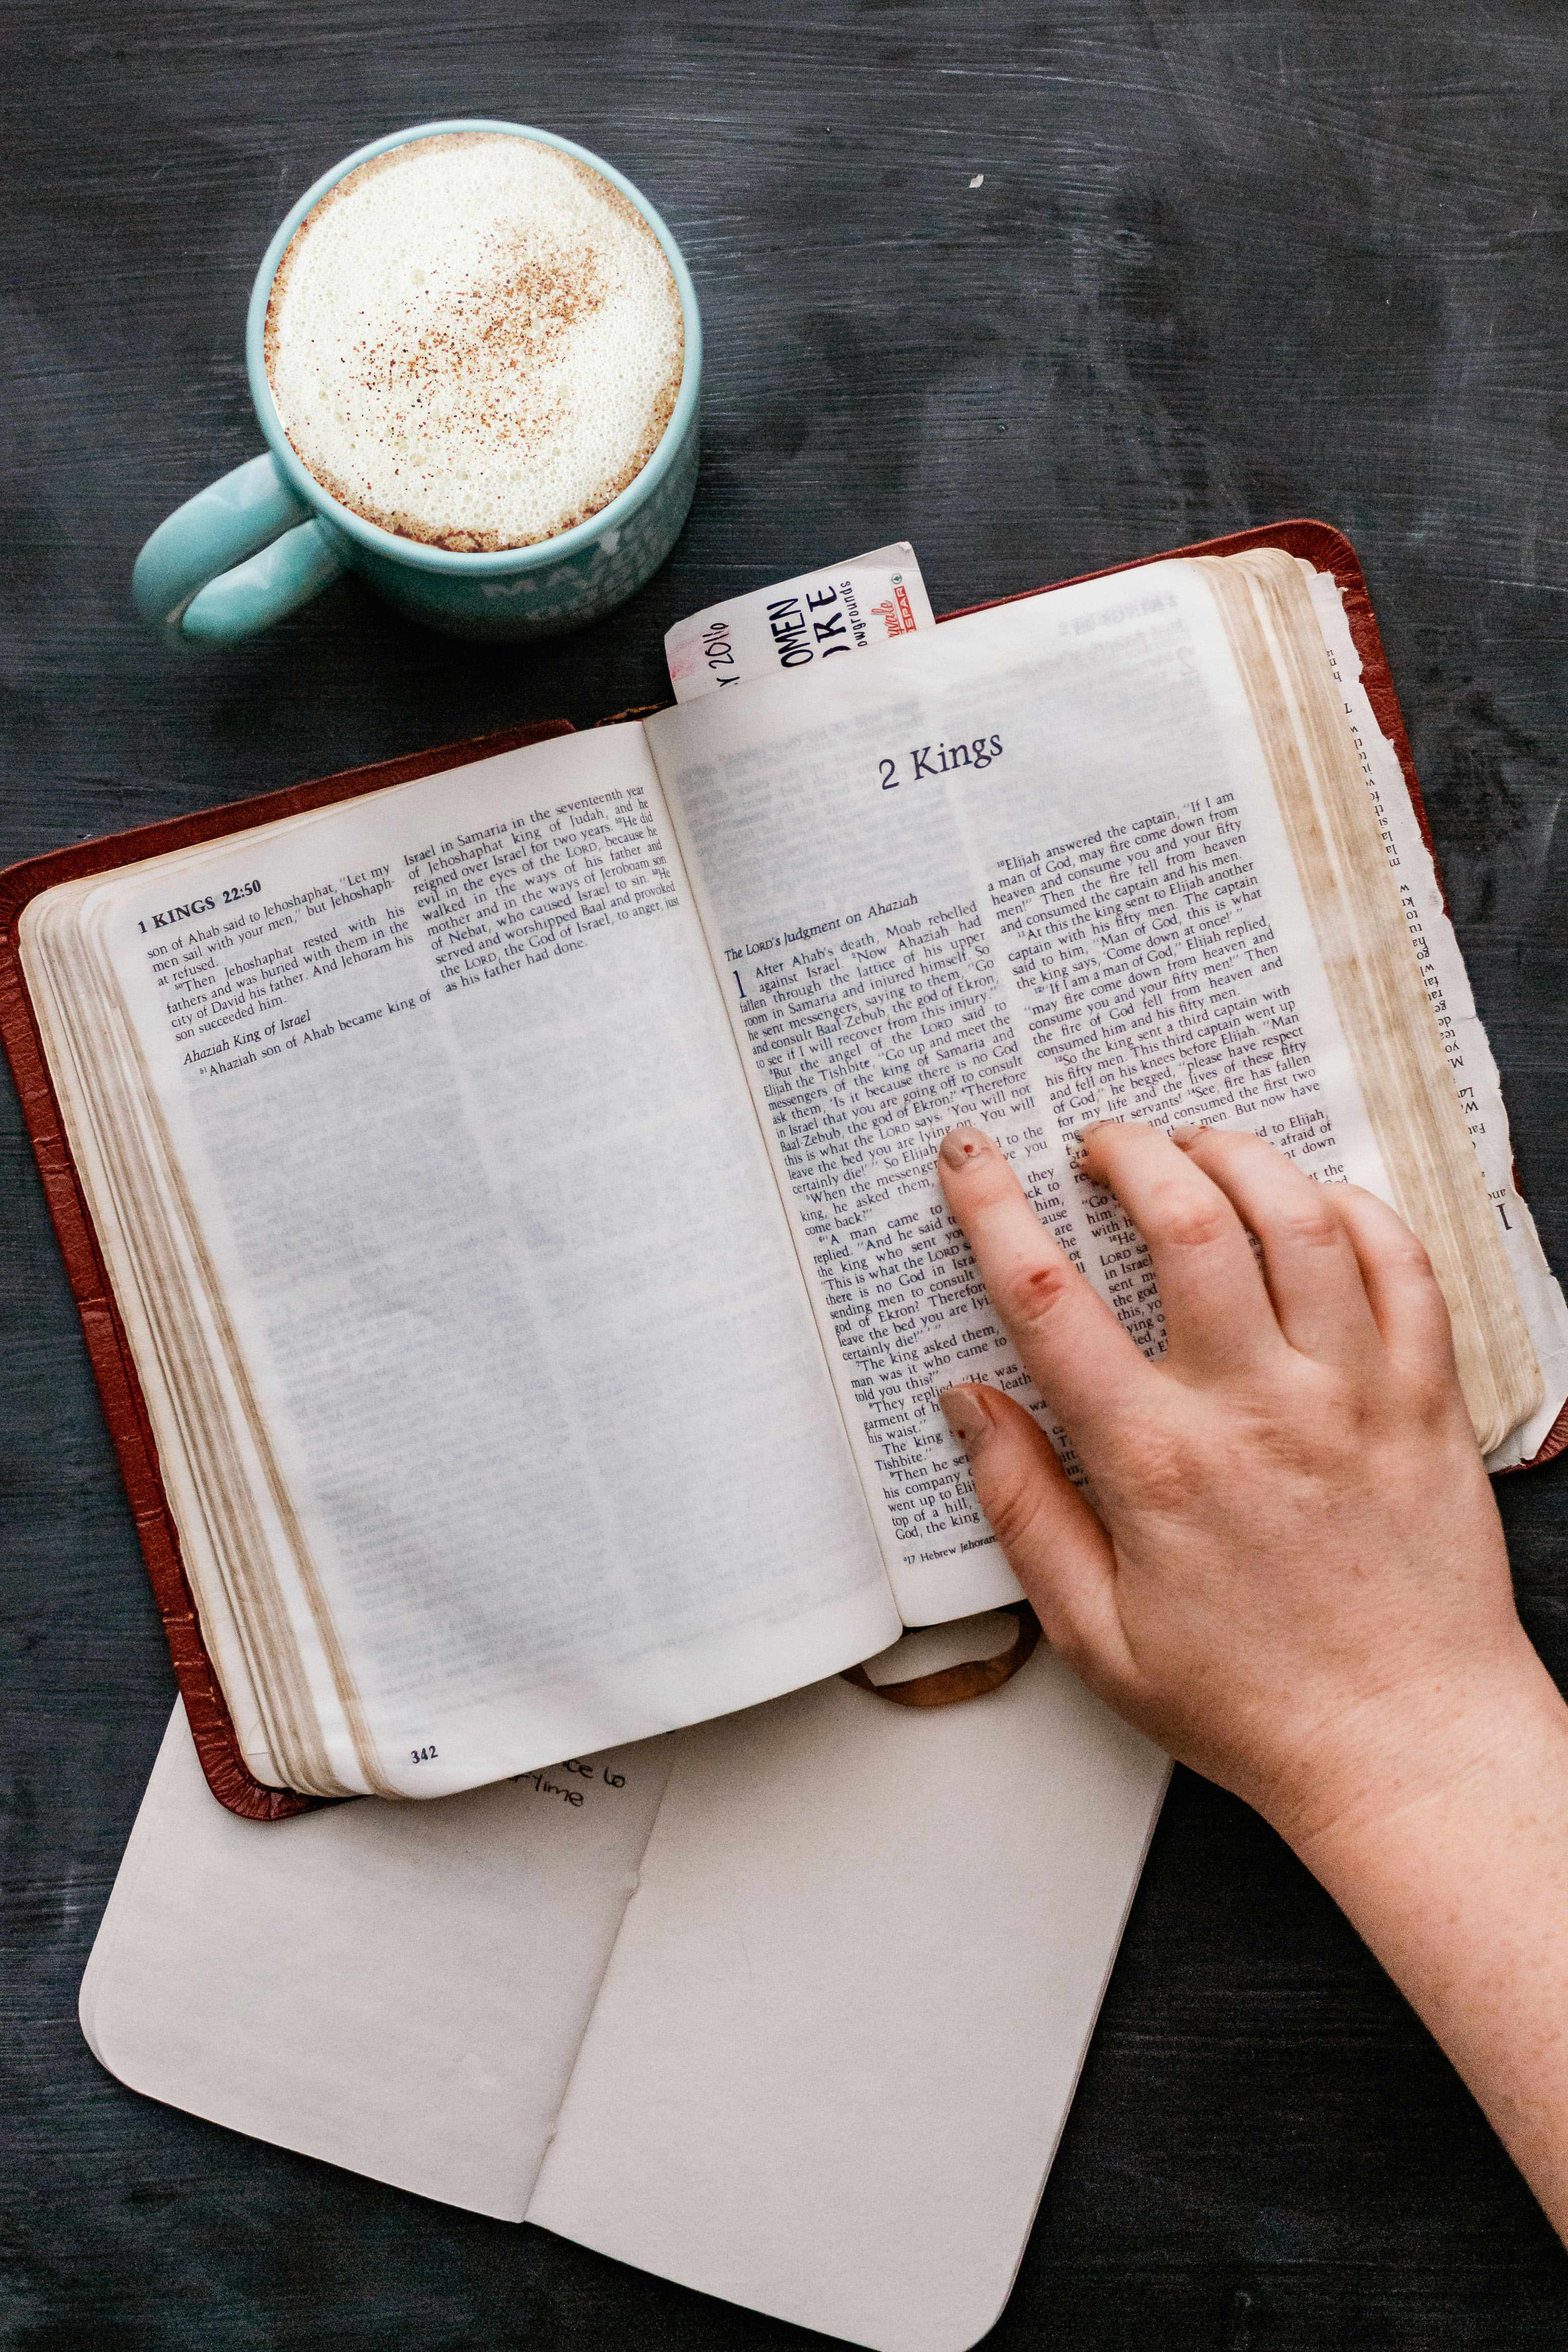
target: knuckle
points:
(1309, 1224)
(1429, 1388)
(1031, 1293)
(1190, 1225)
(1322, 1424)
(1168, 1474)
(1436, 1404)
(1333, 1443)
(1408, 1260)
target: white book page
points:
(473, 1154)
(836, 2044)
(1028, 870)
(397, 1989)
(1469, 1053)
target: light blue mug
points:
(261, 542)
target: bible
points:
(513, 1186)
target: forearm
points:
(1293, 1574)
(1460, 1888)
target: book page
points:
(398, 1988)
(1453, 1004)
(819, 2063)
(505, 1301)
(833, 2052)
(1401, 1062)
(1029, 871)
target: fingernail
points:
(966, 1413)
(963, 1143)
(1185, 1135)
(1078, 1147)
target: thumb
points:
(1054, 1542)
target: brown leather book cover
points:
(228, 1777)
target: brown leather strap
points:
(634, 710)
(951, 1684)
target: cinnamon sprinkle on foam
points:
(475, 340)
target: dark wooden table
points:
(1230, 261)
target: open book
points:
(788, 2007)
(515, 1186)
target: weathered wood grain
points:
(1230, 261)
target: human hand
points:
(1292, 1574)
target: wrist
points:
(1389, 1768)
(1451, 1863)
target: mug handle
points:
(241, 554)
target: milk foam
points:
(475, 340)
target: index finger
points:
(1068, 1340)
